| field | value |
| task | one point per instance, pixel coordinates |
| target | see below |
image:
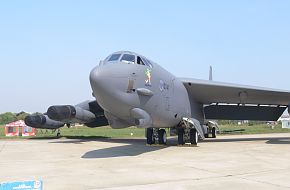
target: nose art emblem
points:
(148, 77)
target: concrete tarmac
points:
(228, 162)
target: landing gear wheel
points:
(149, 136)
(193, 136)
(162, 138)
(213, 132)
(181, 140)
(206, 135)
(58, 133)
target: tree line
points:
(9, 117)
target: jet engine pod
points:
(142, 118)
(60, 113)
(70, 114)
(42, 122)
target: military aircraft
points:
(131, 90)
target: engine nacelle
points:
(115, 122)
(70, 114)
(42, 122)
(142, 118)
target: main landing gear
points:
(211, 128)
(187, 135)
(189, 131)
(156, 136)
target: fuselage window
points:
(114, 57)
(128, 58)
(139, 61)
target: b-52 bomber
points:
(131, 90)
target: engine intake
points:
(42, 122)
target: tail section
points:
(210, 73)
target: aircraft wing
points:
(237, 102)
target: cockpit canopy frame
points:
(129, 58)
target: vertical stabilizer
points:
(210, 73)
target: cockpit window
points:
(147, 62)
(128, 58)
(114, 57)
(139, 61)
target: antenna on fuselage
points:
(210, 73)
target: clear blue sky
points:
(47, 48)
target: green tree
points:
(21, 115)
(7, 118)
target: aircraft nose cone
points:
(99, 78)
(109, 84)
(95, 76)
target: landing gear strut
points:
(154, 135)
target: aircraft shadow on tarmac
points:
(269, 140)
(71, 139)
(134, 147)
(120, 151)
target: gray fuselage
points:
(115, 86)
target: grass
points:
(86, 132)
(2, 131)
(107, 132)
(99, 132)
(255, 129)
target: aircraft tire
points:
(213, 132)
(181, 140)
(149, 136)
(162, 138)
(193, 136)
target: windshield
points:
(128, 58)
(114, 57)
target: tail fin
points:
(210, 73)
